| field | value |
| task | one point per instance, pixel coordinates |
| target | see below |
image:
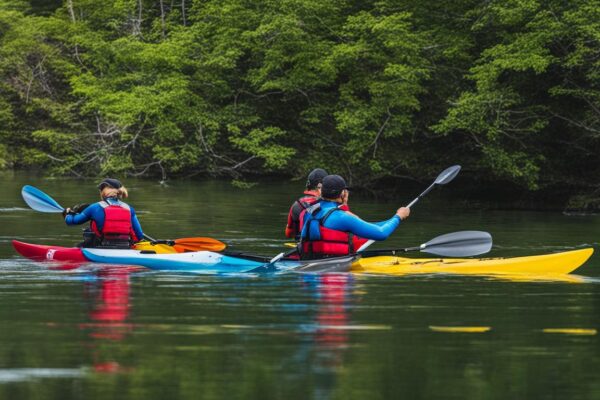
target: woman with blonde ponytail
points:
(120, 193)
(113, 223)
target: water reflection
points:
(108, 298)
(332, 315)
(328, 338)
(29, 374)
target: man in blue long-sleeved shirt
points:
(329, 230)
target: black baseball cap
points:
(315, 177)
(333, 186)
(110, 182)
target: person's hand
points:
(66, 211)
(78, 209)
(403, 212)
(345, 196)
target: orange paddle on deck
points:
(191, 244)
(198, 243)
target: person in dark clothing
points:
(309, 197)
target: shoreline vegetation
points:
(381, 92)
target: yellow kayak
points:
(158, 248)
(547, 264)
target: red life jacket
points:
(302, 204)
(330, 242)
(117, 223)
(305, 202)
(294, 227)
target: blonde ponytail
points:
(120, 193)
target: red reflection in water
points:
(111, 308)
(329, 342)
(109, 367)
(109, 314)
(332, 318)
(64, 266)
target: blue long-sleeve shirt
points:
(95, 212)
(343, 221)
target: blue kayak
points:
(199, 261)
(208, 262)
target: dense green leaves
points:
(534, 92)
(371, 90)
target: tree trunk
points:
(162, 18)
(137, 24)
(71, 10)
(183, 11)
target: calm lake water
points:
(115, 333)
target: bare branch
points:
(381, 129)
(71, 10)
(162, 18)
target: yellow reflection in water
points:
(571, 331)
(460, 329)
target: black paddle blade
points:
(447, 175)
(459, 244)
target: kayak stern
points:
(547, 264)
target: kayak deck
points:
(547, 264)
(200, 261)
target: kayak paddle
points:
(456, 244)
(275, 259)
(191, 243)
(199, 243)
(446, 176)
(40, 201)
(278, 257)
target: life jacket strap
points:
(321, 221)
(105, 204)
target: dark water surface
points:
(102, 333)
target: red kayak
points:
(38, 252)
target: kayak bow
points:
(39, 252)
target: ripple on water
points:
(29, 374)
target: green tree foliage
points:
(369, 89)
(532, 112)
